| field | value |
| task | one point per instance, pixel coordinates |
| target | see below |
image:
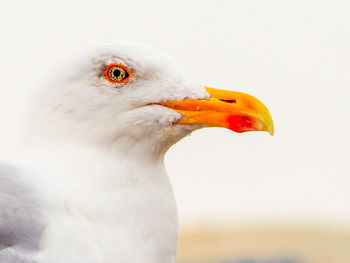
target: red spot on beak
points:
(239, 123)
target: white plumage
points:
(101, 193)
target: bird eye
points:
(117, 73)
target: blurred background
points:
(242, 198)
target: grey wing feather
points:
(21, 223)
(7, 256)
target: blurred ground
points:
(264, 245)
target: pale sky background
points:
(293, 55)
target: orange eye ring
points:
(117, 73)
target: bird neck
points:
(78, 155)
(116, 200)
(49, 137)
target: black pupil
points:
(116, 73)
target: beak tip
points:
(271, 129)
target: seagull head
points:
(130, 96)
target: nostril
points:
(229, 101)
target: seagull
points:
(92, 186)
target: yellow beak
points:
(236, 111)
